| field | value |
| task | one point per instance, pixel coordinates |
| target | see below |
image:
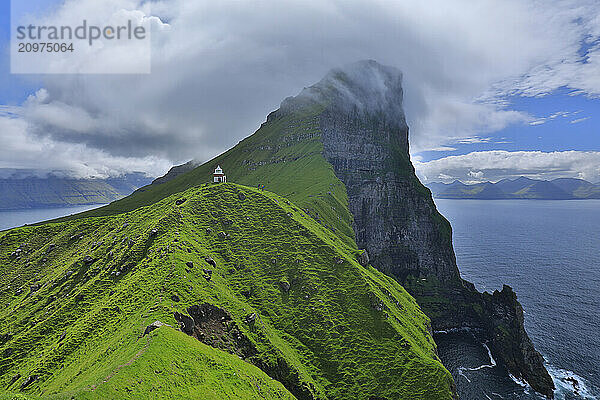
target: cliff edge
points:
(365, 138)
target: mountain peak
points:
(364, 86)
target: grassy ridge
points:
(78, 295)
(285, 155)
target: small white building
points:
(219, 176)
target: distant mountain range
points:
(17, 192)
(520, 188)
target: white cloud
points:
(554, 116)
(220, 67)
(496, 165)
(537, 122)
(576, 121)
(441, 148)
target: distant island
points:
(31, 192)
(520, 188)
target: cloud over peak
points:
(218, 68)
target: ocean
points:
(12, 219)
(549, 252)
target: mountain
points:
(520, 188)
(543, 190)
(338, 153)
(578, 188)
(271, 304)
(53, 191)
(175, 171)
(458, 189)
(514, 185)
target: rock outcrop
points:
(365, 139)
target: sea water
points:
(12, 219)
(549, 252)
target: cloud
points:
(538, 122)
(576, 121)
(442, 148)
(22, 150)
(552, 117)
(221, 67)
(496, 165)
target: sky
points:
(492, 89)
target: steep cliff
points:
(365, 138)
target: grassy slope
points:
(343, 330)
(284, 155)
(169, 364)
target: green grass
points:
(284, 155)
(170, 364)
(343, 331)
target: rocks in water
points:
(175, 298)
(284, 285)
(574, 382)
(363, 258)
(153, 326)
(29, 381)
(210, 261)
(503, 323)
(180, 201)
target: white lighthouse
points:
(218, 175)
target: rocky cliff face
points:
(365, 139)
